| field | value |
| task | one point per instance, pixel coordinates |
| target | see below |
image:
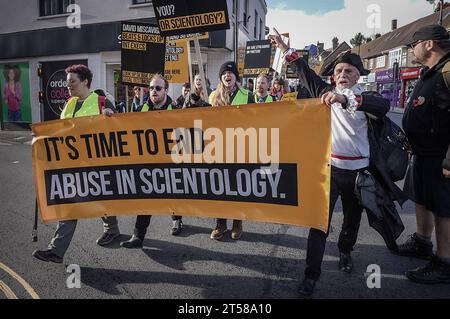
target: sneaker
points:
(236, 231)
(133, 242)
(416, 248)
(435, 272)
(345, 263)
(219, 231)
(107, 238)
(176, 227)
(47, 255)
(307, 287)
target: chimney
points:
(320, 47)
(394, 24)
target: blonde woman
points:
(229, 92)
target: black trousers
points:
(142, 223)
(342, 184)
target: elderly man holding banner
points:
(350, 106)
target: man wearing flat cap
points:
(426, 122)
(350, 105)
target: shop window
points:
(53, 7)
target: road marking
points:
(19, 138)
(25, 285)
(7, 291)
(4, 144)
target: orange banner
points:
(264, 162)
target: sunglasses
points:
(413, 45)
(157, 88)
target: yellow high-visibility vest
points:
(89, 107)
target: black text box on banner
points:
(257, 58)
(143, 53)
(176, 17)
(291, 73)
(249, 183)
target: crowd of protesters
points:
(426, 123)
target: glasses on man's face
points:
(413, 45)
(157, 88)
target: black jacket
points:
(195, 101)
(446, 163)
(427, 116)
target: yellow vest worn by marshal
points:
(91, 106)
(241, 97)
(269, 99)
(146, 108)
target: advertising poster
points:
(54, 87)
(15, 92)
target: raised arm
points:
(308, 78)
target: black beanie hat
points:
(345, 57)
(229, 66)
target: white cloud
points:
(345, 23)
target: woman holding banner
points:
(229, 92)
(82, 102)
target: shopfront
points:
(409, 78)
(388, 87)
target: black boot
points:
(345, 262)
(133, 242)
(306, 288)
(416, 248)
(435, 272)
(47, 255)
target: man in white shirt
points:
(350, 106)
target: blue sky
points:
(314, 7)
(310, 21)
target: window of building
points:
(255, 30)
(141, 1)
(395, 56)
(261, 30)
(245, 15)
(53, 7)
(381, 61)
